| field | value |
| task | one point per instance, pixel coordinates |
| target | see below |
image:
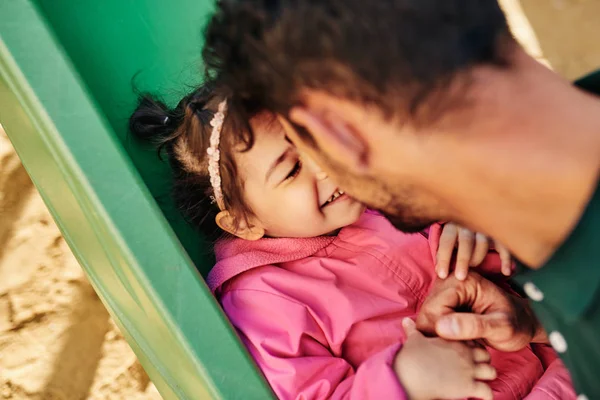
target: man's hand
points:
(477, 309)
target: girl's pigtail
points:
(154, 122)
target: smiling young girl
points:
(321, 291)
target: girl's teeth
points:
(335, 196)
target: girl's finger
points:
(448, 240)
(484, 372)
(466, 242)
(482, 246)
(481, 355)
(410, 328)
(481, 391)
(505, 259)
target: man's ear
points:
(238, 227)
(334, 125)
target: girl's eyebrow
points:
(278, 161)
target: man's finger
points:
(437, 305)
(468, 326)
(466, 242)
(482, 247)
(446, 247)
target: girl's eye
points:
(294, 172)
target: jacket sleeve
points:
(291, 349)
(555, 384)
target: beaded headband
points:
(214, 155)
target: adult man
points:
(429, 110)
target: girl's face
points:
(290, 197)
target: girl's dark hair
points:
(183, 133)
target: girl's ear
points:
(239, 228)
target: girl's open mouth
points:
(336, 196)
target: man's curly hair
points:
(395, 54)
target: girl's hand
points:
(472, 249)
(433, 368)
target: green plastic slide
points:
(66, 74)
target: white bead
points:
(582, 397)
(533, 292)
(558, 342)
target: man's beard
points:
(408, 225)
(400, 209)
(406, 218)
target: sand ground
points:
(56, 339)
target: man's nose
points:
(314, 167)
(321, 175)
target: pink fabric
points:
(322, 316)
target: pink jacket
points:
(322, 316)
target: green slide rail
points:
(66, 73)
